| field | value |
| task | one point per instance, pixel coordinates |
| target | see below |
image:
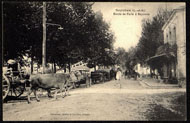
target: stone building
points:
(172, 55)
(175, 34)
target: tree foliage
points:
(152, 35)
(151, 38)
(85, 34)
(121, 57)
(21, 28)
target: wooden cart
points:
(13, 84)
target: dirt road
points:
(103, 102)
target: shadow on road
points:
(11, 99)
(157, 112)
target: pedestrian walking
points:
(118, 76)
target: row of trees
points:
(85, 35)
(151, 38)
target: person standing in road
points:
(118, 76)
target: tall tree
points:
(20, 28)
(152, 35)
(84, 36)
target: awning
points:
(162, 58)
(155, 57)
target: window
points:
(166, 38)
(170, 37)
(174, 35)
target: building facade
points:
(142, 69)
(175, 34)
(170, 58)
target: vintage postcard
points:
(94, 61)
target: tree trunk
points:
(94, 66)
(65, 68)
(54, 66)
(52, 69)
(69, 66)
(31, 64)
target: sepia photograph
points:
(93, 61)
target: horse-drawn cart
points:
(13, 82)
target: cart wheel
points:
(18, 90)
(6, 86)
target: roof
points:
(172, 15)
(156, 56)
(163, 55)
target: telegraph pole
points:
(44, 39)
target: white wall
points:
(181, 42)
(142, 69)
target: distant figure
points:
(118, 76)
(112, 74)
(126, 73)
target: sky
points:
(123, 21)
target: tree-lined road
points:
(104, 101)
